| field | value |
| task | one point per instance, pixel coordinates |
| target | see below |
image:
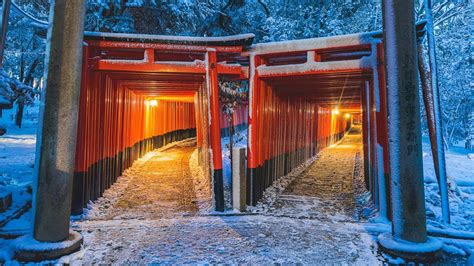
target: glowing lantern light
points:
(335, 111)
(348, 116)
(153, 102)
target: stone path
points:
(252, 239)
(325, 190)
(158, 186)
(150, 216)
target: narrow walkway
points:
(143, 220)
(324, 191)
(157, 186)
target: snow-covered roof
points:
(314, 43)
(233, 40)
(310, 67)
(324, 42)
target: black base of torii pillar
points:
(56, 142)
(408, 238)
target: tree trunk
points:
(19, 113)
(20, 100)
(470, 132)
(437, 131)
(4, 27)
(429, 85)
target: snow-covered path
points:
(252, 239)
(153, 214)
(151, 217)
(160, 185)
(326, 190)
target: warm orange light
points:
(335, 111)
(348, 116)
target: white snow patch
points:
(272, 193)
(313, 43)
(29, 243)
(460, 173)
(389, 242)
(202, 184)
(363, 63)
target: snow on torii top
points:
(244, 40)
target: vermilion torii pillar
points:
(406, 164)
(215, 129)
(56, 142)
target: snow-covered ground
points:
(460, 172)
(17, 148)
(190, 239)
(17, 151)
(251, 239)
(17, 156)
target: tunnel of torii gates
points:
(141, 92)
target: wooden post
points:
(252, 156)
(406, 165)
(215, 129)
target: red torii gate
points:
(115, 109)
(129, 79)
(297, 89)
(121, 73)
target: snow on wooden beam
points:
(162, 47)
(330, 42)
(147, 65)
(233, 40)
(308, 68)
(155, 77)
(313, 44)
(233, 69)
(144, 66)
